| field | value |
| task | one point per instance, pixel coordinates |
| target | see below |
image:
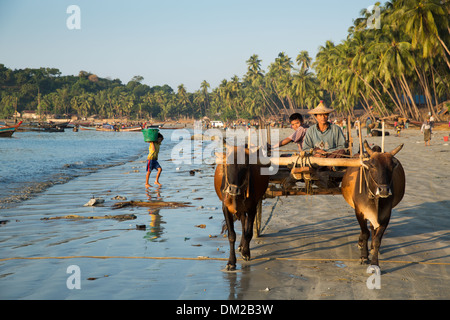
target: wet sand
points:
(307, 249)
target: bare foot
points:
(159, 184)
(147, 186)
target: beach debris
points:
(193, 171)
(120, 217)
(4, 221)
(151, 204)
(202, 226)
(94, 202)
(95, 278)
(119, 198)
(141, 227)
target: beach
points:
(307, 249)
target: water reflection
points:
(156, 230)
(239, 282)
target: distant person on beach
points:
(368, 123)
(426, 130)
(298, 136)
(152, 160)
(325, 139)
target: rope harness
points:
(365, 173)
(235, 190)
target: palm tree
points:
(64, 98)
(101, 100)
(304, 60)
(278, 78)
(253, 69)
(424, 21)
(204, 86)
(305, 88)
(183, 99)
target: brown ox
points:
(240, 186)
(381, 189)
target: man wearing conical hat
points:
(324, 138)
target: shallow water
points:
(134, 273)
(33, 161)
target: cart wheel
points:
(257, 223)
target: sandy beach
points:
(307, 250)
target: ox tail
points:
(224, 225)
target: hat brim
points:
(321, 111)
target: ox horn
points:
(368, 149)
(397, 150)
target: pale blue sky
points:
(168, 41)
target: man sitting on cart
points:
(298, 136)
(325, 139)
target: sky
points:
(167, 41)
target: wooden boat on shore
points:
(131, 129)
(7, 131)
(86, 128)
(171, 128)
(107, 127)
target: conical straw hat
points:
(321, 109)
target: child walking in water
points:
(152, 160)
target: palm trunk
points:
(405, 112)
(368, 106)
(408, 91)
(392, 98)
(423, 82)
(264, 95)
(405, 98)
(446, 49)
(380, 110)
(279, 97)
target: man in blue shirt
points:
(324, 138)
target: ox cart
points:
(300, 173)
(372, 183)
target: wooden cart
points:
(302, 174)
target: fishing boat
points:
(107, 127)
(7, 131)
(131, 129)
(87, 128)
(171, 128)
(52, 127)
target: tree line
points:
(398, 68)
